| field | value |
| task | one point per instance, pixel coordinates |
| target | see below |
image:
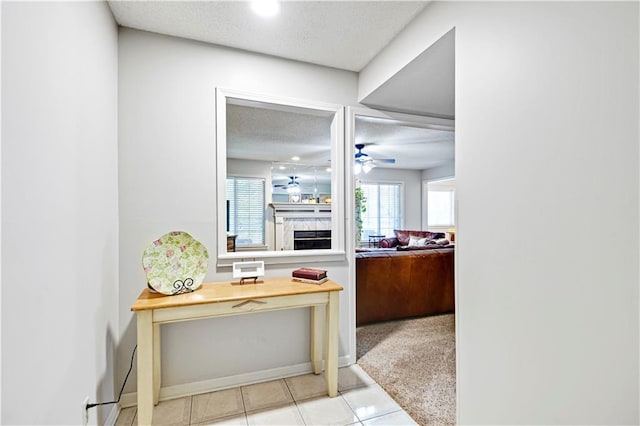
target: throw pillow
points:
(415, 241)
(402, 236)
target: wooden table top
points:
(231, 291)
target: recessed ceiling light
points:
(265, 8)
(282, 167)
(329, 169)
(295, 158)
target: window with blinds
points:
(384, 209)
(246, 206)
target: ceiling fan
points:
(292, 187)
(364, 163)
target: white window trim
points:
(425, 206)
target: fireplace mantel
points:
(285, 209)
(298, 216)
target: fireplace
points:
(288, 218)
(311, 240)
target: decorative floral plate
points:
(175, 263)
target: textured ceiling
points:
(340, 34)
(270, 135)
(264, 134)
(414, 148)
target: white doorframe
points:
(350, 124)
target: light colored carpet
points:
(415, 362)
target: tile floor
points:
(300, 400)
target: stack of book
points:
(310, 275)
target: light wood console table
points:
(226, 298)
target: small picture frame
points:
(248, 270)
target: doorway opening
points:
(404, 260)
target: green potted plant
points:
(361, 207)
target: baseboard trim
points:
(113, 416)
(194, 388)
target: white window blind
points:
(245, 197)
(384, 209)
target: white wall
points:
(440, 172)
(168, 181)
(546, 143)
(59, 217)
(411, 191)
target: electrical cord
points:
(95, 404)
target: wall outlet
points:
(85, 411)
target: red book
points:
(304, 280)
(310, 273)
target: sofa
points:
(393, 284)
(404, 238)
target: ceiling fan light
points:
(293, 189)
(367, 167)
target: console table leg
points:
(156, 364)
(145, 367)
(316, 338)
(331, 345)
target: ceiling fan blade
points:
(293, 182)
(362, 158)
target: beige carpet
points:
(415, 362)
